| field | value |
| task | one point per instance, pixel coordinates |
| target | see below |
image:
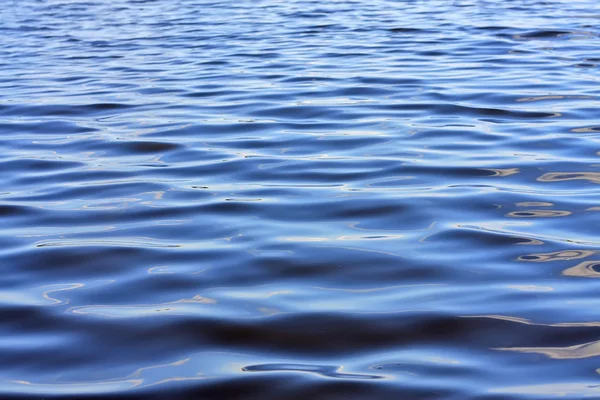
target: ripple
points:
(538, 214)
(323, 370)
(299, 199)
(543, 34)
(123, 242)
(554, 389)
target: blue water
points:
(300, 199)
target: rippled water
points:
(300, 199)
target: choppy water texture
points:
(300, 199)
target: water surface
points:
(300, 199)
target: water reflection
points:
(584, 350)
(534, 204)
(322, 370)
(588, 129)
(532, 288)
(538, 214)
(112, 242)
(593, 177)
(179, 307)
(563, 255)
(88, 388)
(503, 171)
(587, 269)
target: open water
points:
(300, 199)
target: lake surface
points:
(300, 199)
